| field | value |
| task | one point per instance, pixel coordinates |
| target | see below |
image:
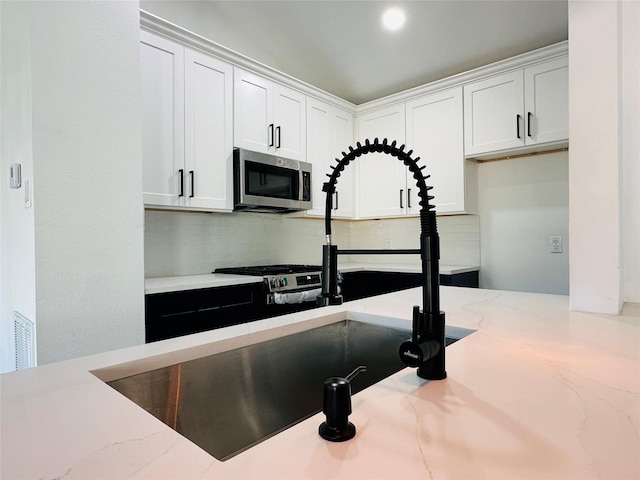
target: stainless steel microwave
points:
(268, 183)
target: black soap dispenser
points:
(336, 406)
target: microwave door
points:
(270, 184)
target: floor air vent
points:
(24, 334)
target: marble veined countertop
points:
(537, 391)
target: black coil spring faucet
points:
(425, 349)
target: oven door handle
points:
(293, 297)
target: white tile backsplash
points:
(459, 239)
(183, 243)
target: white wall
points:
(524, 201)
(600, 154)
(17, 242)
(81, 129)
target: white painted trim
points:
(159, 25)
(175, 32)
(503, 66)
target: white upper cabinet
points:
(434, 132)
(329, 133)
(383, 190)
(520, 108)
(187, 137)
(268, 117)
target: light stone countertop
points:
(536, 392)
(208, 280)
(194, 282)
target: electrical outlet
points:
(555, 244)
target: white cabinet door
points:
(547, 101)
(382, 188)
(268, 117)
(253, 112)
(435, 133)
(162, 93)
(329, 133)
(493, 114)
(208, 133)
(289, 119)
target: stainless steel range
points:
(284, 284)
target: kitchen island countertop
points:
(537, 391)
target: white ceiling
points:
(340, 46)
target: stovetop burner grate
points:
(263, 270)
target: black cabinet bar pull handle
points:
(529, 124)
(409, 198)
(518, 125)
(278, 136)
(271, 134)
(336, 207)
(181, 194)
(401, 195)
(192, 194)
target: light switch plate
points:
(15, 176)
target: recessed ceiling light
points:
(393, 19)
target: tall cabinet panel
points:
(382, 185)
(434, 132)
(187, 137)
(329, 133)
(208, 131)
(162, 76)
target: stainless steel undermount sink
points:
(229, 401)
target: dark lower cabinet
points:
(356, 285)
(467, 279)
(173, 314)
